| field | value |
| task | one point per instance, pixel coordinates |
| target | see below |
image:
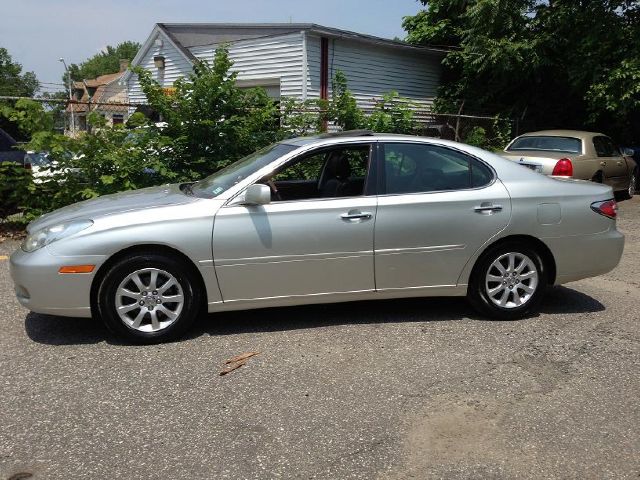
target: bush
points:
(15, 184)
(212, 122)
(392, 114)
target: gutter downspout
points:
(305, 65)
(324, 76)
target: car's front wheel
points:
(149, 298)
(508, 282)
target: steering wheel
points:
(274, 189)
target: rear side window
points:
(604, 146)
(415, 168)
(547, 143)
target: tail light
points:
(563, 168)
(608, 208)
(27, 165)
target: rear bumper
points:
(40, 288)
(585, 256)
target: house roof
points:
(184, 36)
(99, 81)
(104, 79)
(101, 84)
(187, 35)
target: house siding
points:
(373, 71)
(262, 61)
(278, 62)
(176, 65)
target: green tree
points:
(28, 115)
(212, 121)
(342, 108)
(102, 63)
(550, 64)
(12, 81)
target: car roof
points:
(353, 135)
(564, 133)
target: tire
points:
(147, 314)
(631, 189)
(598, 177)
(508, 303)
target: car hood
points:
(116, 203)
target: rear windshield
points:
(546, 143)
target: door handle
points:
(619, 163)
(488, 208)
(356, 215)
(603, 164)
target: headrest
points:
(338, 165)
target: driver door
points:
(298, 247)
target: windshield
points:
(224, 179)
(547, 143)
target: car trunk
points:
(542, 161)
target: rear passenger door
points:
(437, 206)
(611, 162)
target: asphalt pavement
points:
(391, 390)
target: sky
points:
(38, 32)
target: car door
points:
(611, 162)
(437, 208)
(297, 247)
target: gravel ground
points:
(389, 390)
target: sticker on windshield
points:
(218, 190)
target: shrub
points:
(15, 183)
(392, 114)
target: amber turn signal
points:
(77, 269)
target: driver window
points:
(327, 173)
(308, 169)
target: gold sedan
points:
(576, 154)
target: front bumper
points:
(40, 288)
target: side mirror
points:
(627, 152)
(257, 194)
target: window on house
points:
(117, 119)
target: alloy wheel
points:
(149, 300)
(511, 280)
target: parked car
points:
(635, 153)
(8, 149)
(575, 154)
(331, 218)
(40, 165)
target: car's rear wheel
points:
(508, 282)
(148, 298)
(631, 190)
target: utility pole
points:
(73, 120)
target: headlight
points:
(43, 237)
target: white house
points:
(292, 60)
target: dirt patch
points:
(458, 432)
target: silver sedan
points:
(332, 218)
